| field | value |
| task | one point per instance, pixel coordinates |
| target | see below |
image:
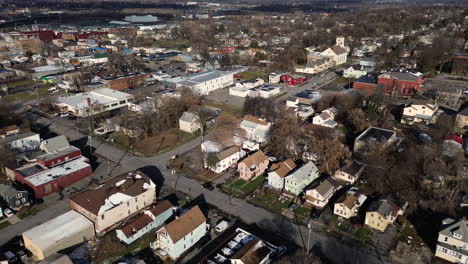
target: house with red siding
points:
(53, 172)
(292, 79)
(401, 84)
(367, 84)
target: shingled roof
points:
(338, 49)
(283, 168)
(254, 159)
(256, 120)
(185, 224)
(128, 184)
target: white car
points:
(8, 212)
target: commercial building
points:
(264, 91)
(373, 136)
(94, 102)
(45, 180)
(203, 83)
(116, 200)
(63, 231)
(401, 84)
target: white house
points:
(299, 179)
(316, 63)
(93, 102)
(326, 118)
(278, 172)
(348, 205)
(350, 173)
(181, 234)
(419, 113)
(189, 122)
(225, 158)
(22, 142)
(319, 196)
(274, 77)
(249, 84)
(354, 71)
(255, 128)
(452, 243)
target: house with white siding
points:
(452, 243)
(297, 181)
(278, 173)
(255, 128)
(181, 234)
(419, 113)
(351, 172)
(320, 195)
(149, 220)
(348, 204)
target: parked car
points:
(8, 212)
(10, 256)
(208, 185)
(64, 114)
(221, 226)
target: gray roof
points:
(189, 117)
(7, 191)
(307, 171)
(456, 227)
(202, 77)
(12, 138)
(55, 144)
(383, 207)
(326, 186)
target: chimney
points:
(89, 101)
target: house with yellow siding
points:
(381, 214)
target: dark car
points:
(314, 214)
(72, 117)
(208, 186)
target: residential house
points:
(297, 181)
(225, 158)
(351, 172)
(326, 118)
(348, 204)
(419, 113)
(253, 166)
(382, 213)
(255, 129)
(320, 195)
(372, 136)
(22, 142)
(278, 173)
(14, 197)
(315, 64)
(116, 200)
(460, 63)
(274, 77)
(354, 71)
(149, 220)
(189, 122)
(181, 234)
(461, 121)
(55, 144)
(452, 242)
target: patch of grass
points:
(4, 224)
(303, 211)
(268, 199)
(26, 96)
(238, 183)
(169, 43)
(227, 108)
(18, 83)
(248, 75)
(363, 234)
(252, 185)
(27, 212)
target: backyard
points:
(26, 96)
(268, 199)
(241, 188)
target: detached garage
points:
(64, 231)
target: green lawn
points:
(252, 185)
(4, 224)
(248, 75)
(225, 108)
(268, 199)
(26, 96)
(303, 212)
(241, 187)
(18, 83)
(169, 43)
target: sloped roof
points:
(384, 208)
(227, 152)
(128, 184)
(136, 224)
(54, 144)
(325, 186)
(252, 253)
(185, 224)
(338, 49)
(254, 159)
(458, 227)
(160, 207)
(189, 117)
(256, 120)
(283, 168)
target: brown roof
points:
(160, 207)
(353, 168)
(253, 119)
(92, 200)
(227, 152)
(284, 167)
(185, 224)
(7, 129)
(338, 50)
(255, 159)
(348, 200)
(136, 224)
(250, 253)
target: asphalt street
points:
(338, 250)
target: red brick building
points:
(367, 84)
(127, 82)
(53, 172)
(401, 84)
(292, 79)
(460, 64)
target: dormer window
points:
(457, 236)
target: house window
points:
(445, 239)
(128, 212)
(23, 200)
(102, 217)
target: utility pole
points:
(309, 226)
